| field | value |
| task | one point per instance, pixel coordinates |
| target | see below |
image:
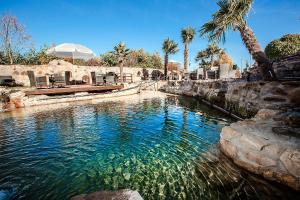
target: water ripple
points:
(155, 146)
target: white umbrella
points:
(69, 50)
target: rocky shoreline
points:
(267, 142)
(257, 145)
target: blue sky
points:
(101, 24)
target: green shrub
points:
(286, 45)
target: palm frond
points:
(231, 15)
(170, 46)
(187, 34)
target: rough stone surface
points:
(240, 97)
(291, 160)
(255, 147)
(294, 96)
(266, 113)
(109, 195)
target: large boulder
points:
(252, 145)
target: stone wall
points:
(288, 67)
(240, 97)
(19, 72)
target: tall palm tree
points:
(232, 15)
(169, 47)
(203, 56)
(121, 52)
(187, 36)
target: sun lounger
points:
(60, 80)
(41, 82)
(7, 81)
(100, 80)
(110, 80)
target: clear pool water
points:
(154, 146)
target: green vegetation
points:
(121, 52)
(232, 15)
(187, 36)
(109, 59)
(135, 58)
(207, 56)
(169, 47)
(32, 57)
(213, 50)
(286, 45)
(140, 58)
(203, 56)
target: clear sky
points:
(101, 24)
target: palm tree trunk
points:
(10, 56)
(258, 54)
(121, 72)
(204, 72)
(211, 61)
(166, 66)
(186, 54)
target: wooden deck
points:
(70, 90)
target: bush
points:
(109, 59)
(32, 57)
(286, 45)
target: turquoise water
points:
(153, 146)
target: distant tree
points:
(121, 52)
(213, 50)
(108, 59)
(13, 36)
(156, 61)
(286, 45)
(3, 59)
(224, 58)
(187, 36)
(232, 15)
(34, 57)
(169, 47)
(134, 58)
(203, 56)
(93, 62)
(43, 57)
(140, 58)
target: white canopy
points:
(69, 50)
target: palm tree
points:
(213, 50)
(169, 47)
(187, 36)
(121, 52)
(232, 15)
(202, 56)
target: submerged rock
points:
(233, 182)
(108, 195)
